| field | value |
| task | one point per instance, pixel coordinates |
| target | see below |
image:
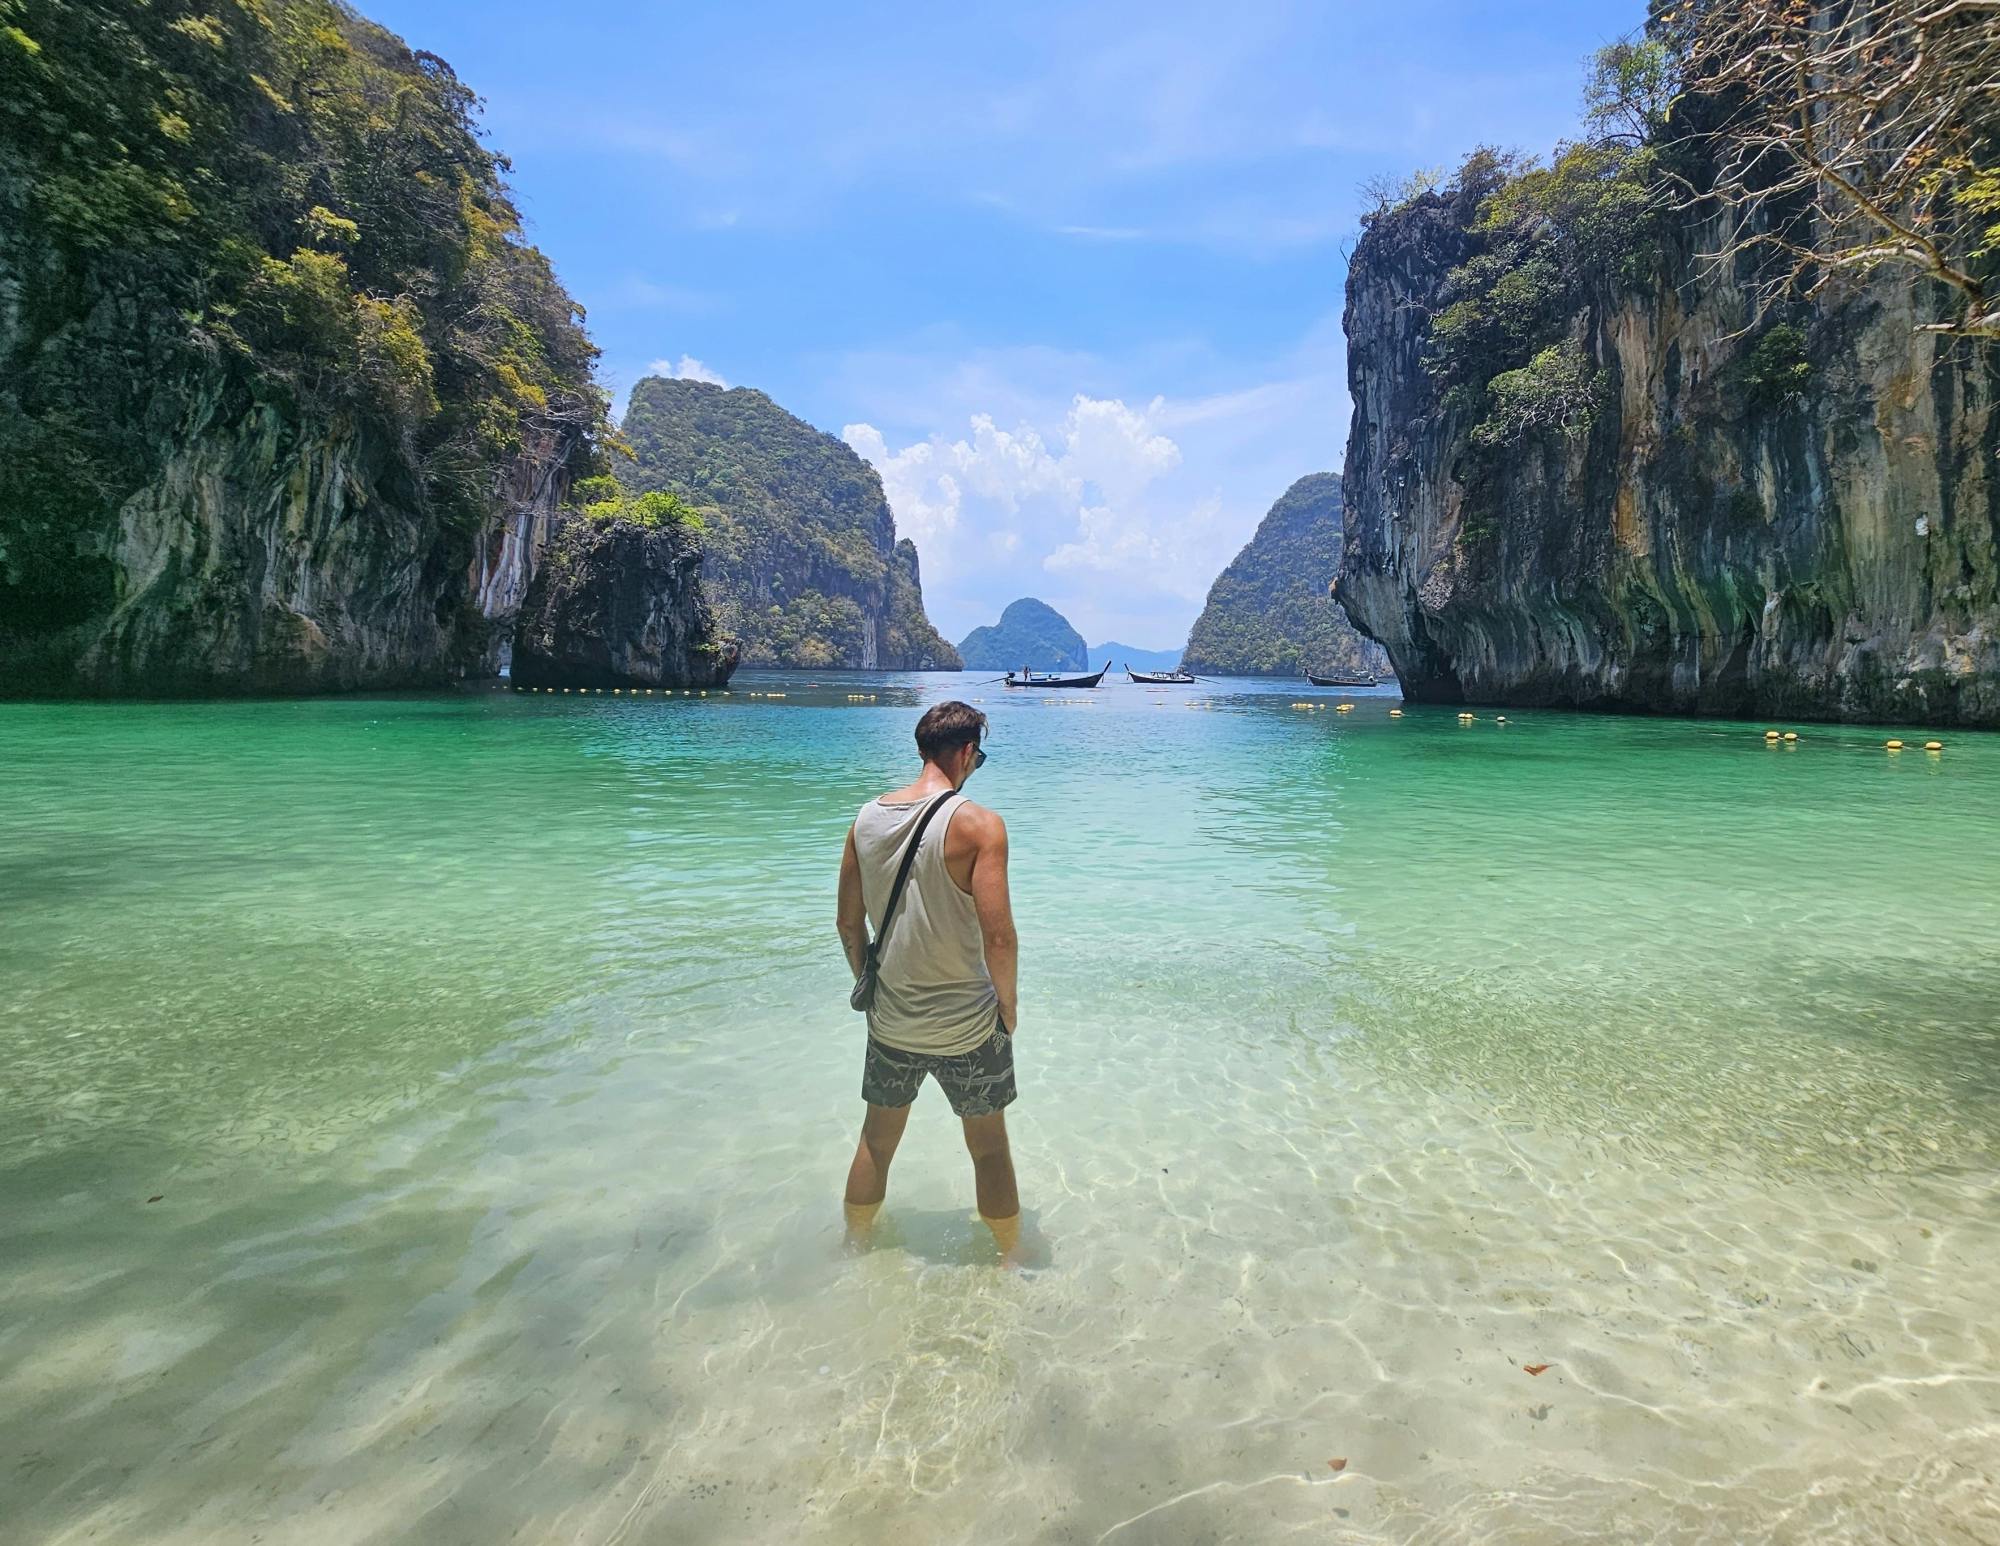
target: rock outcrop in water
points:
(1270, 612)
(1794, 514)
(618, 605)
(1030, 633)
(802, 561)
(286, 404)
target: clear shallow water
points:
(489, 1057)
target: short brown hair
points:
(948, 726)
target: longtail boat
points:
(1158, 678)
(1341, 681)
(1030, 679)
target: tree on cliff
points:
(1845, 135)
(271, 211)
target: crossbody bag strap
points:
(903, 875)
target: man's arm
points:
(996, 912)
(851, 914)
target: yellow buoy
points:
(1770, 735)
(1791, 735)
(1346, 708)
(1933, 746)
(1894, 746)
(1395, 713)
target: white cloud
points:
(686, 368)
(1119, 515)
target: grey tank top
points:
(934, 994)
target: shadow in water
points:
(953, 1237)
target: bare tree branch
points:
(1846, 134)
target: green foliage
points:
(1549, 237)
(1776, 371)
(652, 511)
(1978, 190)
(1631, 90)
(800, 551)
(1268, 613)
(595, 489)
(1557, 390)
(813, 630)
(268, 201)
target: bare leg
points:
(993, 1178)
(868, 1176)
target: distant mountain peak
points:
(1136, 656)
(1030, 633)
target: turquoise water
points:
(488, 1057)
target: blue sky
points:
(1070, 276)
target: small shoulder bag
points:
(863, 996)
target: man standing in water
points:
(945, 995)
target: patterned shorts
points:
(977, 1083)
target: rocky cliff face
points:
(802, 556)
(619, 606)
(1802, 523)
(270, 421)
(1270, 612)
(274, 554)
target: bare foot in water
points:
(1007, 1236)
(860, 1223)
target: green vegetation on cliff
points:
(1501, 349)
(1030, 633)
(265, 219)
(802, 558)
(1268, 613)
(1668, 424)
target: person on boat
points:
(945, 1002)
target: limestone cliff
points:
(270, 419)
(1790, 514)
(1269, 613)
(802, 559)
(619, 605)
